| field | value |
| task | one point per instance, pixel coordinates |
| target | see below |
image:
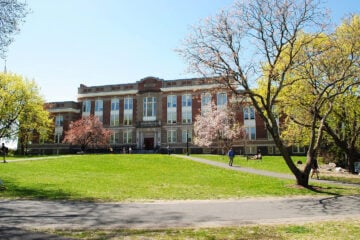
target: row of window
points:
(149, 111)
(171, 136)
(149, 108)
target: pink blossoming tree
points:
(217, 127)
(88, 131)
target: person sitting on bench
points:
(257, 156)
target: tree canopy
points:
(217, 127)
(326, 98)
(257, 40)
(87, 131)
(22, 113)
(12, 14)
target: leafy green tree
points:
(35, 123)
(256, 40)
(21, 109)
(325, 100)
(12, 14)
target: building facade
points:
(155, 114)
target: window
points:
(171, 101)
(249, 113)
(149, 109)
(115, 104)
(205, 103)
(186, 109)
(114, 138)
(171, 117)
(127, 136)
(171, 109)
(273, 150)
(298, 149)
(114, 119)
(59, 119)
(251, 150)
(186, 116)
(171, 136)
(98, 105)
(128, 103)
(114, 114)
(221, 99)
(99, 109)
(86, 107)
(58, 137)
(188, 134)
(128, 111)
(128, 118)
(251, 133)
(186, 100)
(205, 100)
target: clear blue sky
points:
(99, 42)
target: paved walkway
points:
(89, 215)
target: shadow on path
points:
(14, 233)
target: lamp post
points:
(187, 142)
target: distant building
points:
(153, 113)
(63, 113)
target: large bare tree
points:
(12, 14)
(257, 41)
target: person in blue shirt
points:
(231, 155)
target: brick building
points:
(153, 114)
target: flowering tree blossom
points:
(88, 131)
(217, 126)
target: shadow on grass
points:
(328, 190)
(41, 192)
(325, 190)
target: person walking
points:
(4, 151)
(231, 155)
(315, 169)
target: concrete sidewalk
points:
(25, 214)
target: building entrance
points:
(149, 143)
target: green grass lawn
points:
(138, 178)
(269, 163)
(276, 164)
(162, 177)
(349, 229)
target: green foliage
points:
(324, 92)
(22, 109)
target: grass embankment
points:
(277, 164)
(138, 178)
(133, 178)
(321, 231)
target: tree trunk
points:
(302, 177)
(352, 158)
